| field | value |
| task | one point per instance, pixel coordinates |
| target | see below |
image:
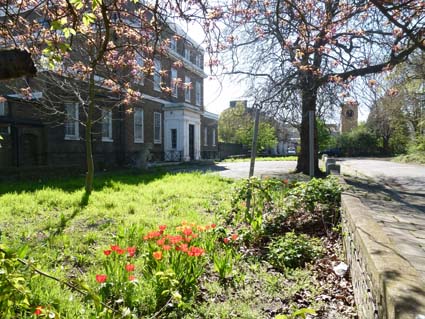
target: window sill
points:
(157, 142)
(138, 141)
(72, 138)
(107, 140)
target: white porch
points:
(182, 131)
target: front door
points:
(192, 142)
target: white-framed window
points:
(205, 136)
(198, 93)
(140, 75)
(107, 126)
(187, 53)
(174, 86)
(3, 108)
(173, 138)
(198, 60)
(138, 125)
(173, 43)
(71, 121)
(157, 128)
(157, 75)
(4, 130)
(187, 86)
(213, 137)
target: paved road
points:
(279, 169)
(262, 169)
(396, 194)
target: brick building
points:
(160, 126)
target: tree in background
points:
(387, 121)
(232, 120)
(298, 48)
(359, 142)
(324, 136)
(236, 125)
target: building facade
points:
(161, 126)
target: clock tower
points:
(349, 117)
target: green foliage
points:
(236, 125)
(307, 195)
(417, 145)
(359, 142)
(15, 297)
(324, 136)
(266, 135)
(293, 251)
(252, 200)
(298, 314)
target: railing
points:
(209, 155)
(168, 156)
(173, 156)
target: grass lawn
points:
(58, 210)
(413, 158)
(68, 236)
(262, 159)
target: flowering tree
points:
(86, 49)
(298, 48)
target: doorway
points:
(192, 142)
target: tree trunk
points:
(386, 145)
(308, 100)
(89, 149)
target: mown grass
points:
(262, 159)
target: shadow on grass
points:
(102, 180)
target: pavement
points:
(261, 169)
(395, 193)
(237, 170)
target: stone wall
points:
(385, 285)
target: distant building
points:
(243, 102)
(349, 117)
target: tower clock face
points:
(349, 113)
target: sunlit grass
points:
(42, 213)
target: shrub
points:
(316, 191)
(293, 251)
